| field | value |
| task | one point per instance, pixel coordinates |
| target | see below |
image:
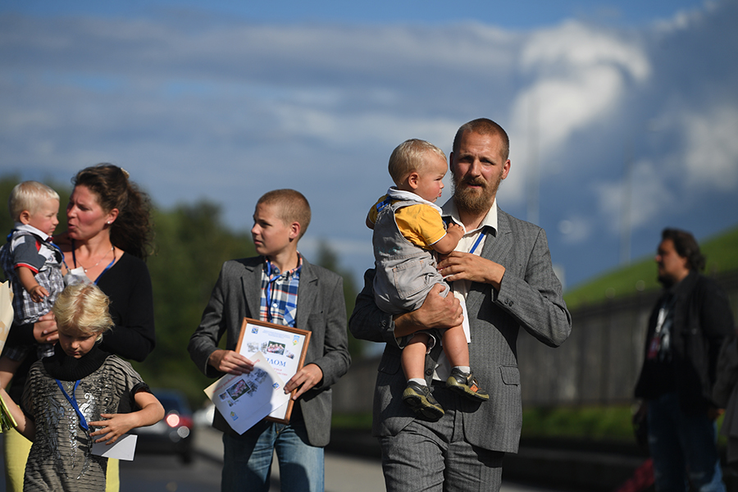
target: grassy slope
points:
(721, 252)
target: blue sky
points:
(522, 14)
(619, 113)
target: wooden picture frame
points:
(284, 348)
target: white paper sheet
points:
(246, 399)
(123, 449)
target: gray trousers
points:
(433, 456)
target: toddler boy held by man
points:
(408, 231)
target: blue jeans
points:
(682, 446)
(247, 462)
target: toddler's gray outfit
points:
(405, 272)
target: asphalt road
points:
(157, 473)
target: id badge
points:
(76, 276)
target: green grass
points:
(641, 275)
(593, 422)
(598, 423)
(352, 421)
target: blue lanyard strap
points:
(383, 203)
(479, 240)
(269, 290)
(73, 401)
(60, 252)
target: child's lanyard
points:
(73, 401)
(268, 293)
(60, 252)
(74, 258)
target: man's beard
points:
(475, 201)
(665, 281)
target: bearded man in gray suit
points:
(502, 270)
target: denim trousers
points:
(247, 461)
(683, 447)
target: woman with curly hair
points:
(109, 235)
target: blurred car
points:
(204, 416)
(172, 434)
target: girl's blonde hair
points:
(84, 308)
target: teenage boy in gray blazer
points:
(266, 287)
(502, 270)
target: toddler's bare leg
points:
(455, 346)
(413, 356)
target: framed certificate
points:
(283, 347)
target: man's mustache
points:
(474, 182)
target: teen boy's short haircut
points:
(84, 308)
(292, 206)
(29, 195)
(408, 157)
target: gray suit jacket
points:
(529, 297)
(320, 309)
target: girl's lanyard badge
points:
(73, 401)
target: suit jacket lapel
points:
(307, 294)
(251, 284)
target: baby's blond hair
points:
(408, 157)
(28, 195)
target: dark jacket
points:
(702, 321)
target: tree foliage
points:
(328, 258)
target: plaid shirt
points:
(31, 248)
(279, 294)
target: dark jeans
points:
(682, 446)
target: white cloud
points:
(579, 73)
(647, 194)
(575, 46)
(684, 19)
(711, 153)
(578, 76)
(575, 229)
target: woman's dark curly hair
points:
(686, 246)
(132, 230)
